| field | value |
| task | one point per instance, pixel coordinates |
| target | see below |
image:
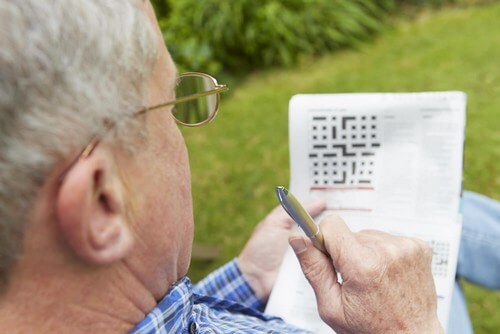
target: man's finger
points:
(316, 207)
(339, 240)
(319, 271)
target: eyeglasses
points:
(197, 99)
(196, 104)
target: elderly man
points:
(99, 240)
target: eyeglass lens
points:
(197, 110)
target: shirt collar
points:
(173, 311)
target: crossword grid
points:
(342, 149)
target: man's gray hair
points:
(67, 67)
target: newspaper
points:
(386, 161)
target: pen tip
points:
(281, 190)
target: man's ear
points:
(91, 211)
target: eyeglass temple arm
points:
(83, 155)
(218, 89)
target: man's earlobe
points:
(91, 212)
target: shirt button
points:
(193, 328)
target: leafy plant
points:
(245, 34)
(237, 36)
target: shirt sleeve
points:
(228, 283)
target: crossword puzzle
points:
(440, 254)
(342, 149)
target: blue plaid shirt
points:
(223, 302)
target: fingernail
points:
(298, 244)
(318, 202)
(321, 201)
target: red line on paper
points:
(341, 188)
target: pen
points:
(301, 217)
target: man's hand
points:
(387, 281)
(261, 258)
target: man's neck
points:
(37, 302)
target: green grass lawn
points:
(237, 160)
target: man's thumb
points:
(319, 271)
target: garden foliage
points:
(239, 35)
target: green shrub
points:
(240, 35)
(162, 7)
(439, 3)
(244, 34)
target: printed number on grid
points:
(440, 255)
